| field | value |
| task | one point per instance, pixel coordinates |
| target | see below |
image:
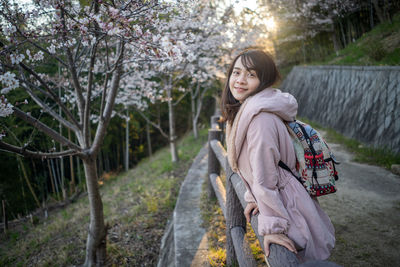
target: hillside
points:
(380, 46)
(137, 205)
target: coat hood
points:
(284, 105)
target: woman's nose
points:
(241, 79)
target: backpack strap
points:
(285, 167)
(310, 145)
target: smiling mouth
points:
(240, 89)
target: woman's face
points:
(242, 82)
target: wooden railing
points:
(232, 203)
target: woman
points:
(257, 139)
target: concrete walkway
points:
(365, 213)
(185, 241)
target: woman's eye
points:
(235, 72)
(252, 75)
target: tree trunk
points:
(96, 240)
(371, 14)
(22, 190)
(172, 137)
(148, 139)
(55, 178)
(194, 122)
(127, 143)
(107, 162)
(28, 182)
(379, 12)
(78, 167)
(71, 168)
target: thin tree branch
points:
(157, 126)
(180, 98)
(44, 128)
(72, 69)
(86, 116)
(49, 93)
(47, 109)
(103, 95)
(196, 92)
(47, 52)
(105, 117)
(36, 154)
(12, 133)
(200, 103)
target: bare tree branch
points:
(180, 98)
(86, 116)
(157, 126)
(12, 133)
(47, 109)
(72, 69)
(103, 95)
(44, 128)
(36, 154)
(105, 117)
(200, 103)
(47, 52)
(49, 93)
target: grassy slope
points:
(380, 46)
(137, 205)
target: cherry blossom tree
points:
(95, 45)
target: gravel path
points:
(366, 214)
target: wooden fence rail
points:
(232, 203)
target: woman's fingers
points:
(247, 213)
(279, 239)
(250, 207)
(266, 247)
(255, 211)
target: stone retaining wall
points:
(361, 102)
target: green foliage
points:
(380, 46)
(375, 50)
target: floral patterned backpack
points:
(315, 160)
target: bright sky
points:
(240, 4)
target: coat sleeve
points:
(263, 141)
(248, 197)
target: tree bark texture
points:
(96, 240)
(379, 12)
(172, 136)
(5, 220)
(127, 143)
(193, 106)
(150, 151)
(28, 182)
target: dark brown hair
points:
(267, 72)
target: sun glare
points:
(239, 5)
(270, 24)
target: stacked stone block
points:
(361, 102)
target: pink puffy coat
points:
(256, 141)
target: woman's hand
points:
(249, 208)
(280, 239)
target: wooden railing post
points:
(234, 218)
(215, 122)
(213, 164)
